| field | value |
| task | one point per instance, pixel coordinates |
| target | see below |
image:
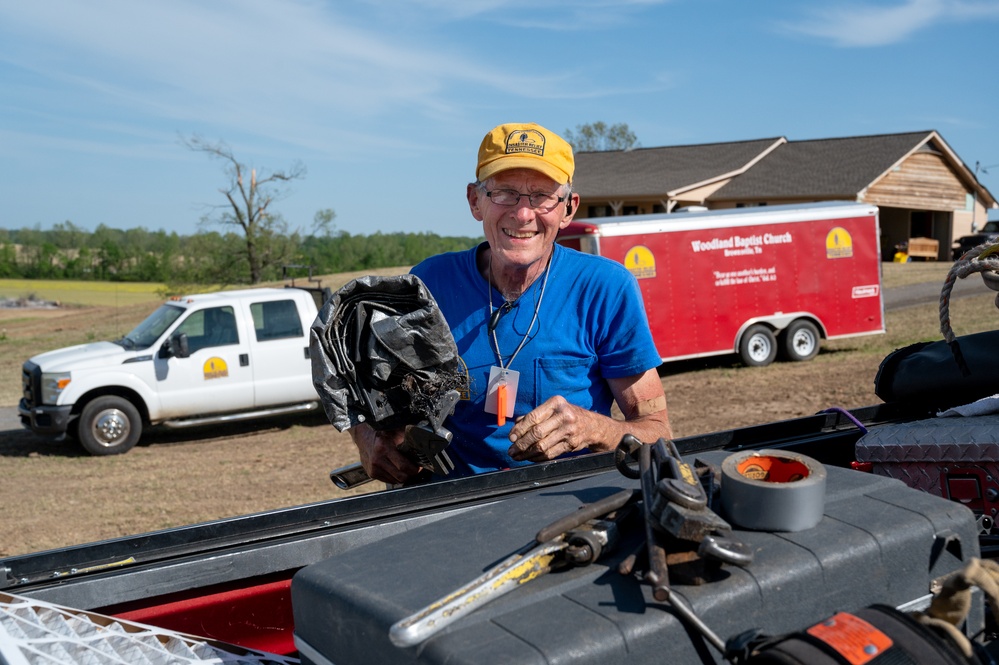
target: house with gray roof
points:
(920, 185)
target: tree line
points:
(67, 251)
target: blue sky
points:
(385, 101)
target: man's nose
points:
(523, 211)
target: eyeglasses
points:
(538, 200)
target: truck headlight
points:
(53, 383)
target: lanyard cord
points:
(537, 308)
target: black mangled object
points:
(383, 354)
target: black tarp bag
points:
(382, 354)
(939, 375)
(953, 371)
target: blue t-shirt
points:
(591, 326)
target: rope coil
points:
(980, 259)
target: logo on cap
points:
(529, 141)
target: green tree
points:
(8, 259)
(598, 137)
(111, 259)
(67, 235)
(322, 222)
(211, 258)
(248, 199)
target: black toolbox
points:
(879, 541)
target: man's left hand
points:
(554, 428)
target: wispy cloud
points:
(866, 25)
(300, 72)
(288, 68)
(555, 15)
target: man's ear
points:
(474, 196)
(571, 206)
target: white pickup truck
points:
(198, 359)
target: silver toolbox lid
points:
(973, 440)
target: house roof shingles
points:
(653, 171)
(821, 169)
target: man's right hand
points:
(380, 456)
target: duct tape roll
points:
(773, 490)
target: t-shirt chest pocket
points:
(571, 378)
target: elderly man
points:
(550, 337)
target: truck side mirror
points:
(176, 346)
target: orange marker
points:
(501, 405)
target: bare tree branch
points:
(248, 204)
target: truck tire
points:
(800, 341)
(758, 346)
(109, 425)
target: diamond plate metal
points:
(929, 454)
(33, 632)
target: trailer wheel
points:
(800, 341)
(758, 346)
(109, 425)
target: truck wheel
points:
(800, 341)
(109, 426)
(758, 346)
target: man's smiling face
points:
(519, 235)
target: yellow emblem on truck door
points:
(640, 261)
(215, 368)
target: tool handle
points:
(658, 573)
(585, 513)
(506, 576)
(350, 476)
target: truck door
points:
(282, 371)
(212, 379)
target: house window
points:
(629, 210)
(598, 211)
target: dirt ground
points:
(54, 495)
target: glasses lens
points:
(538, 200)
(504, 197)
(543, 201)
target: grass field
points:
(68, 292)
(110, 294)
(122, 294)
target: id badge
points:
(502, 389)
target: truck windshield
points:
(147, 332)
(991, 227)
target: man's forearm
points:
(647, 428)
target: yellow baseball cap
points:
(525, 146)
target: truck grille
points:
(31, 384)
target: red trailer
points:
(760, 282)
